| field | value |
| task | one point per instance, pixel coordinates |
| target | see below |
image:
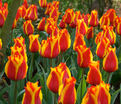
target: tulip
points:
(34, 43)
(65, 40)
(99, 37)
(93, 20)
(84, 56)
(94, 76)
(41, 25)
(43, 3)
(67, 92)
(47, 12)
(90, 33)
(110, 61)
(33, 94)
(31, 13)
(86, 18)
(97, 95)
(16, 66)
(81, 27)
(2, 19)
(56, 4)
(62, 24)
(102, 47)
(68, 17)
(109, 33)
(79, 40)
(50, 48)
(118, 28)
(28, 28)
(25, 4)
(54, 30)
(104, 20)
(0, 43)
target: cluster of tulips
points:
(60, 79)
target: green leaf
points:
(114, 96)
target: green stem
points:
(108, 78)
(82, 81)
(51, 62)
(15, 93)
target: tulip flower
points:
(86, 18)
(50, 48)
(90, 33)
(16, 66)
(54, 30)
(33, 94)
(43, 3)
(97, 95)
(28, 28)
(84, 56)
(41, 25)
(67, 92)
(102, 47)
(79, 40)
(34, 43)
(104, 20)
(99, 37)
(56, 4)
(81, 27)
(94, 76)
(109, 33)
(31, 13)
(62, 24)
(68, 17)
(25, 4)
(65, 40)
(110, 61)
(0, 43)
(93, 20)
(47, 12)
(57, 76)
(2, 19)
(118, 28)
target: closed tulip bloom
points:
(56, 4)
(16, 66)
(79, 40)
(50, 48)
(68, 17)
(109, 33)
(62, 24)
(104, 20)
(84, 56)
(55, 30)
(33, 94)
(90, 33)
(99, 37)
(64, 39)
(47, 11)
(2, 19)
(110, 61)
(102, 47)
(67, 92)
(81, 27)
(34, 43)
(32, 13)
(43, 3)
(25, 4)
(41, 25)
(86, 18)
(28, 28)
(54, 80)
(93, 20)
(118, 28)
(0, 43)
(97, 95)
(94, 76)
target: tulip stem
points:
(15, 92)
(108, 78)
(82, 82)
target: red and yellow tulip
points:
(41, 25)
(0, 44)
(43, 3)
(90, 33)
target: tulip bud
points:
(41, 25)
(90, 33)
(62, 24)
(93, 20)
(67, 92)
(50, 48)
(2, 19)
(79, 40)
(118, 28)
(102, 47)
(34, 43)
(65, 40)
(56, 4)
(47, 12)
(94, 76)
(43, 3)
(110, 61)
(99, 37)
(28, 28)
(84, 56)
(25, 4)
(0, 44)
(81, 27)
(33, 94)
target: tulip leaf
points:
(114, 96)
(79, 89)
